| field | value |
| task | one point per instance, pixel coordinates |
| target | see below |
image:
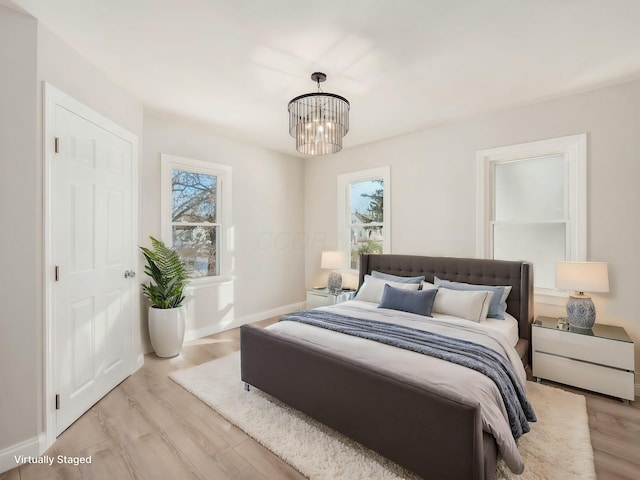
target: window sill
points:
(550, 296)
(207, 282)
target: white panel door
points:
(92, 246)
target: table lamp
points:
(332, 260)
(582, 277)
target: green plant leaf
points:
(168, 273)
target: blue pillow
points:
(412, 301)
(498, 304)
(395, 278)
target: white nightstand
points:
(320, 297)
(599, 359)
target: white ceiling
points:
(403, 64)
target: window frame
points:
(223, 209)
(574, 149)
(344, 208)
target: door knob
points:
(129, 274)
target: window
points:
(363, 213)
(195, 208)
(532, 204)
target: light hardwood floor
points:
(150, 428)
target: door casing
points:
(52, 97)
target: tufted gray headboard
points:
(469, 270)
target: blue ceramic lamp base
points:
(334, 283)
(581, 311)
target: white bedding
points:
(446, 376)
(508, 327)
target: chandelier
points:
(318, 121)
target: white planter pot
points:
(166, 329)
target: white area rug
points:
(557, 448)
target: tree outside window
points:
(193, 220)
(363, 213)
(196, 201)
(367, 219)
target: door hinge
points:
(56, 145)
(56, 273)
(57, 401)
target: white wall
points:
(433, 187)
(268, 225)
(20, 292)
(70, 72)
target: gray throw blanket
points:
(461, 352)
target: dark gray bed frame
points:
(437, 436)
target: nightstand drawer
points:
(583, 347)
(617, 383)
(315, 301)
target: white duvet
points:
(446, 376)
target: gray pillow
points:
(413, 301)
(498, 304)
(396, 278)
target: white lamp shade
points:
(332, 259)
(582, 276)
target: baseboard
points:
(32, 447)
(139, 362)
(237, 322)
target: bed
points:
(436, 434)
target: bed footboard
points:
(435, 436)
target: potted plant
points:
(167, 314)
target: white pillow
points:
(427, 286)
(470, 305)
(373, 288)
